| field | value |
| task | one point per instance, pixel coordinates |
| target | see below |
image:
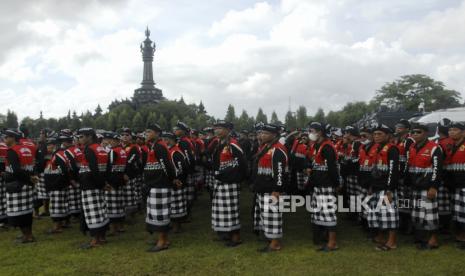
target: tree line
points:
(408, 92)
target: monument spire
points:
(147, 93)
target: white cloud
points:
(318, 53)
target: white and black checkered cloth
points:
(459, 205)
(198, 175)
(2, 200)
(22, 203)
(404, 194)
(382, 215)
(158, 209)
(74, 199)
(115, 204)
(351, 182)
(59, 204)
(225, 207)
(138, 189)
(209, 179)
(425, 213)
(40, 188)
(178, 204)
(363, 194)
(95, 208)
(266, 219)
(323, 213)
(190, 188)
(301, 179)
(129, 195)
(444, 200)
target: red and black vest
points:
(3, 154)
(382, 177)
(56, 172)
(272, 169)
(90, 179)
(156, 171)
(119, 163)
(421, 169)
(456, 166)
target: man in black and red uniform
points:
(114, 195)
(456, 178)
(74, 156)
(324, 181)
(181, 130)
(350, 166)
(133, 170)
(424, 165)
(199, 149)
(383, 214)
(93, 176)
(178, 208)
(3, 216)
(270, 179)
(299, 163)
(57, 181)
(230, 169)
(367, 153)
(444, 191)
(403, 142)
(210, 143)
(19, 182)
(143, 151)
(160, 178)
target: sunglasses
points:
(417, 131)
(364, 136)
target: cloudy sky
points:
(57, 55)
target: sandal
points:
(233, 243)
(325, 248)
(385, 248)
(156, 248)
(427, 246)
(268, 249)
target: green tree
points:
(11, 119)
(319, 116)
(138, 122)
(274, 118)
(201, 108)
(98, 111)
(163, 122)
(261, 117)
(412, 90)
(112, 122)
(301, 117)
(290, 121)
(124, 119)
(230, 114)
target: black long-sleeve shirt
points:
(15, 172)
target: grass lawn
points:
(194, 252)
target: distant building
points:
(147, 93)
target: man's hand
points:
(432, 193)
(107, 187)
(389, 196)
(177, 183)
(275, 195)
(34, 179)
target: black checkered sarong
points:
(225, 207)
(178, 204)
(59, 204)
(115, 204)
(267, 217)
(382, 215)
(209, 179)
(95, 208)
(129, 195)
(74, 199)
(351, 184)
(444, 200)
(190, 188)
(40, 188)
(301, 178)
(22, 203)
(459, 205)
(158, 210)
(425, 214)
(363, 194)
(404, 194)
(324, 206)
(138, 188)
(2, 200)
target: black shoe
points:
(233, 243)
(156, 248)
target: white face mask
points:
(313, 137)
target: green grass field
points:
(194, 252)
